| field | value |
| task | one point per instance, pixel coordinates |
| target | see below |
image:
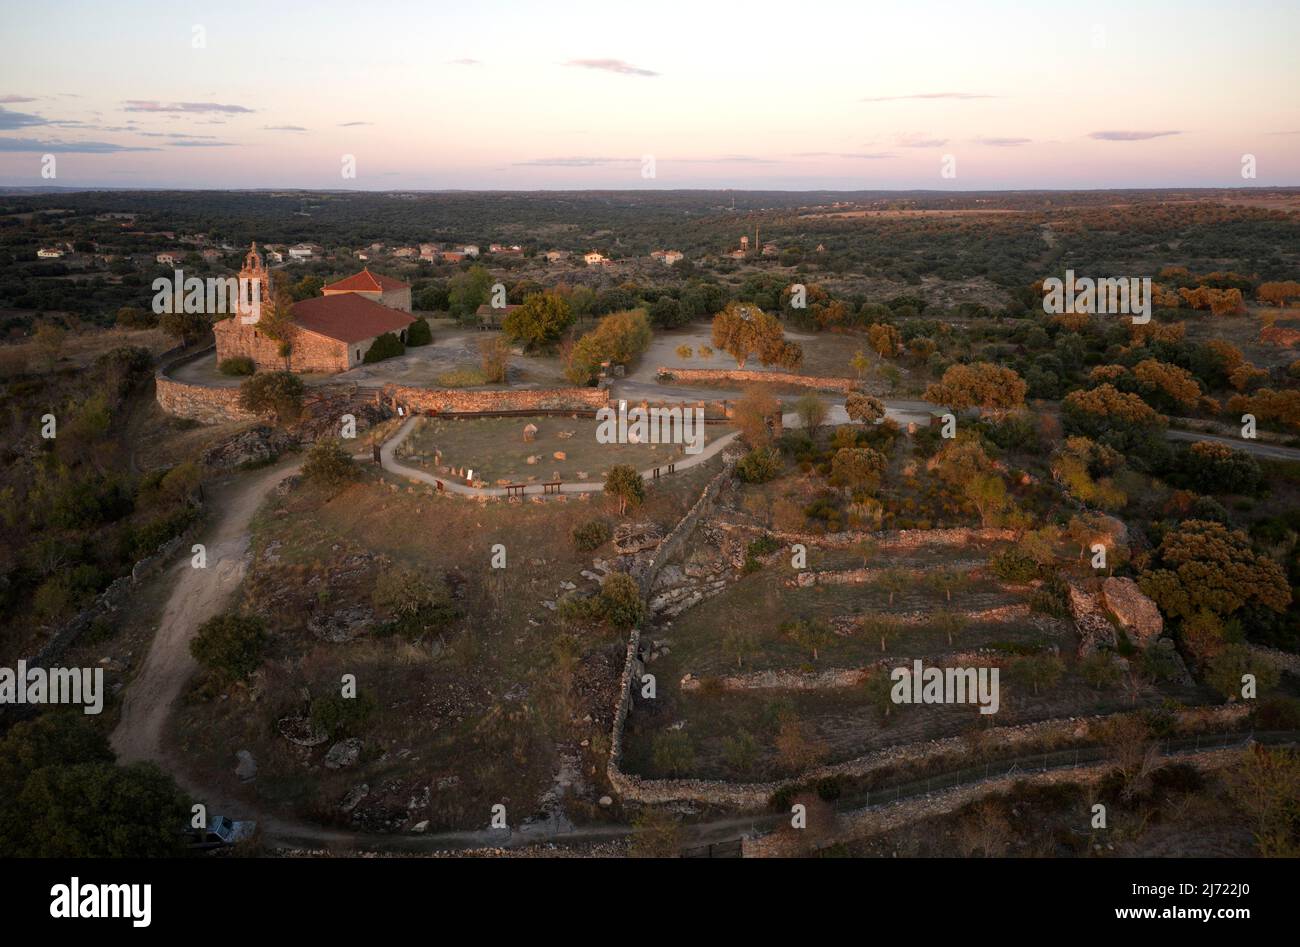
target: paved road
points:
(1257, 448)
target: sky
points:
(856, 95)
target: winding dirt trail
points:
(196, 596)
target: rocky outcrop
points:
(1136, 613)
(1095, 629)
(256, 446)
(637, 537)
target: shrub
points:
(620, 601)
(1012, 565)
(330, 465)
(673, 752)
(341, 716)
(230, 645)
(419, 603)
(419, 333)
(759, 465)
(386, 346)
(590, 535)
(237, 365)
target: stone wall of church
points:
(310, 352)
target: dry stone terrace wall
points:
(632, 666)
(872, 821)
(454, 401)
(742, 376)
(896, 539)
(756, 795)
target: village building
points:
(329, 333)
(595, 259)
(381, 289)
(49, 253)
(492, 317)
(555, 256)
(429, 251)
(302, 251)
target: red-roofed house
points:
(381, 289)
(329, 333)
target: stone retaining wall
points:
(747, 377)
(632, 666)
(897, 539)
(756, 795)
(199, 402)
(454, 400)
(873, 821)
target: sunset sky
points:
(853, 95)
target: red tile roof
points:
(348, 317)
(367, 282)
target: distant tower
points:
(254, 288)
(744, 244)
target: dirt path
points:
(197, 595)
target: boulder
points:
(1095, 629)
(354, 797)
(299, 731)
(1135, 612)
(636, 537)
(246, 769)
(343, 624)
(343, 754)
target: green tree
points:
(740, 643)
(812, 636)
(743, 330)
(273, 393)
(329, 465)
(540, 321)
(625, 485)
(864, 409)
(983, 385)
(950, 623)
(468, 290)
(811, 412)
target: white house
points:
(49, 253)
(594, 258)
(300, 251)
(469, 250)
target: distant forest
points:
(1101, 232)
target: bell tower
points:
(254, 288)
